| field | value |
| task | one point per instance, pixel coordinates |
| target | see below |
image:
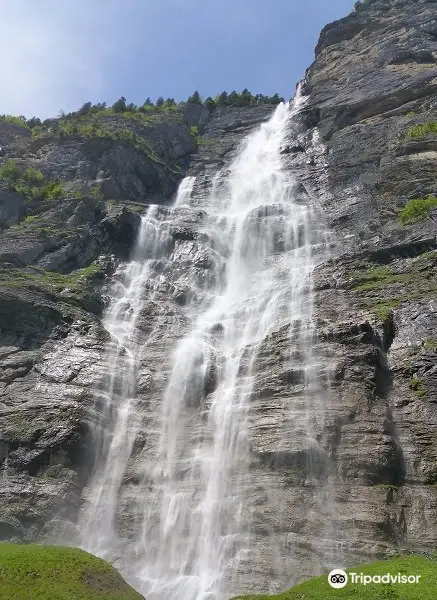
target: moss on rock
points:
(382, 289)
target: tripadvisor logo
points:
(339, 578)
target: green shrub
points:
(37, 131)
(33, 176)
(417, 385)
(97, 192)
(418, 131)
(29, 182)
(13, 120)
(51, 190)
(10, 172)
(417, 209)
(430, 344)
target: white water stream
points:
(192, 531)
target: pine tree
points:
(195, 98)
(209, 103)
(120, 105)
(222, 98)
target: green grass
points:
(77, 281)
(375, 278)
(29, 220)
(384, 308)
(372, 284)
(418, 131)
(319, 589)
(34, 572)
(136, 208)
(417, 209)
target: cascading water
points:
(116, 429)
(193, 531)
(184, 192)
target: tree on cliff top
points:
(195, 98)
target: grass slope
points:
(34, 572)
(319, 589)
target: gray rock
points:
(12, 208)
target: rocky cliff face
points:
(364, 146)
(370, 148)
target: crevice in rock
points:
(388, 336)
(397, 471)
(410, 249)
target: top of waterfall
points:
(184, 191)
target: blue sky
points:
(58, 54)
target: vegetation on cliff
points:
(383, 288)
(29, 182)
(145, 113)
(34, 572)
(418, 131)
(77, 289)
(417, 209)
(21, 121)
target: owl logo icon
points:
(337, 578)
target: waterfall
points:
(184, 192)
(116, 429)
(176, 474)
